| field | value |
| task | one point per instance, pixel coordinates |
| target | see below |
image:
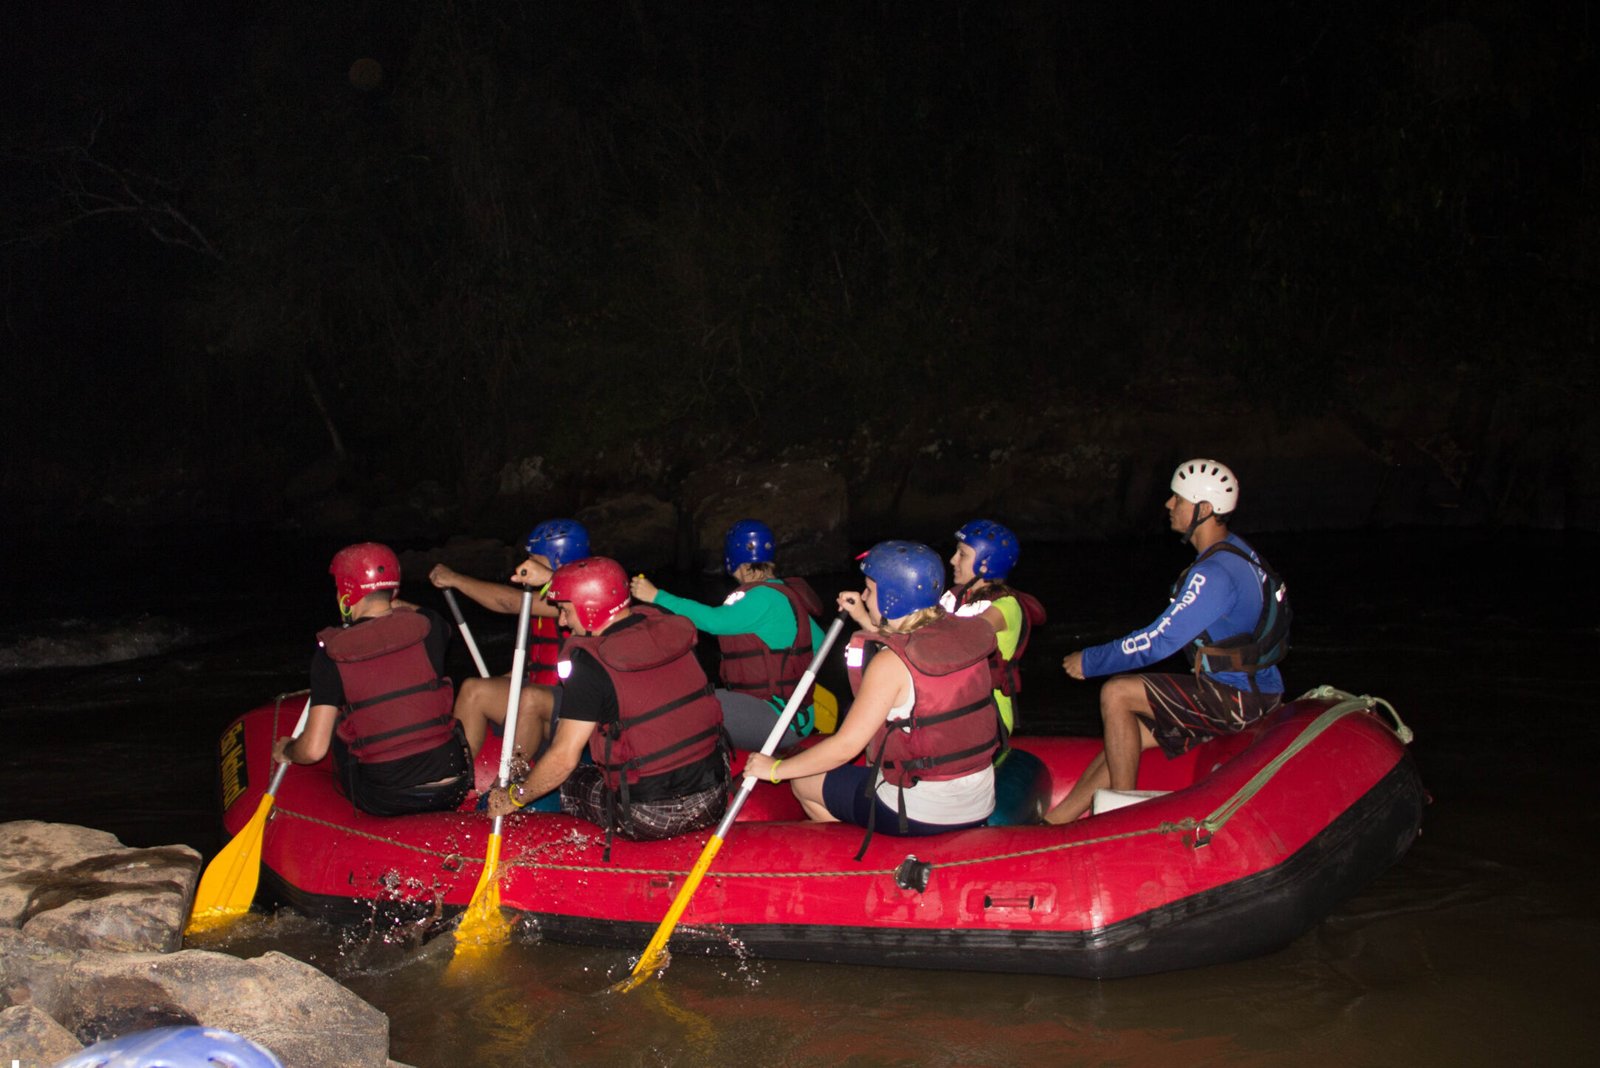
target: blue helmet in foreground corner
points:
(174, 1047)
(559, 541)
(749, 541)
(994, 548)
(909, 576)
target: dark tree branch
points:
(88, 188)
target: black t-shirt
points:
(587, 694)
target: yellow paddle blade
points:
(651, 959)
(228, 885)
(824, 709)
(484, 924)
(701, 1033)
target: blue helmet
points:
(560, 541)
(995, 549)
(749, 541)
(909, 576)
(174, 1047)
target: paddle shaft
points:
(519, 660)
(299, 729)
(789, 711)
(483, 924)
(466, 632)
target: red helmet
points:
(358, 570)
(596, 587)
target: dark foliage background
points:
(431, 235)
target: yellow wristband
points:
(774, 771)
(511, 795)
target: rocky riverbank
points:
(1051, 474)
(1453, 452)
(90, 937)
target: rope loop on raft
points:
(1344, 705)
(1366, 702)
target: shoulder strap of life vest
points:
(1266, 643)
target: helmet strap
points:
(1197, 520)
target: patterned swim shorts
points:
(584, 795)
(1186, 710)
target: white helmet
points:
(1207, 480)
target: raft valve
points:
(912, 874)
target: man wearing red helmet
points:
(380, 699)
(633, 694)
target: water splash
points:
(75, 642)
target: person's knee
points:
(808, 790)
(538, 701)
(1121, 697)
(813, 805)
(488, 698)
(470, 696)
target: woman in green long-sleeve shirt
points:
(766, 631)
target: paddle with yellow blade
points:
(228, 885)
(651, 958)
(483, 924)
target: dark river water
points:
(121, 662)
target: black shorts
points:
(390, 788)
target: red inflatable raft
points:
(1258, 838)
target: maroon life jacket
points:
(1007, 676)
(749, 666)
(396, 705)
(544, 651)
(954, 726)
(668, 716)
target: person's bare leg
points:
(1126, 736)
(534, 711)
(1081, 796)
(809, 792)
(481, 702)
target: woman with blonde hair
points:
(924, 715)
